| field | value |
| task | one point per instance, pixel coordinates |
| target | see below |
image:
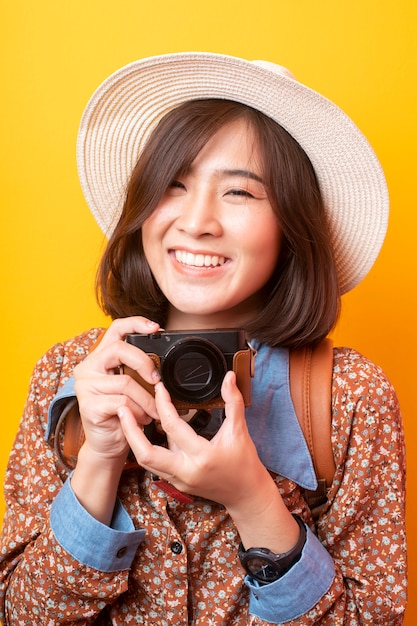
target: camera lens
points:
(193, 370)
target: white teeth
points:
(198, 260)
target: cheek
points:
(150, 233)
(146, 231)
(155, 226)
(148, 226)
(265, 239)
(269, 250)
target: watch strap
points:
(266, 566)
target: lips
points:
(198, 260)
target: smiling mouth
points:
(198, 260)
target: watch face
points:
(260, 569)
(266, 566)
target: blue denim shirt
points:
(282, 449)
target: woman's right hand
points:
(102, 390)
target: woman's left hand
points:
(222, 469)
(226, 469)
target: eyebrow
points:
(244, 174)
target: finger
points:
(155, 459)
(116, 334)
(108, 360)
(176, 429)
(230, 392)
(114, 392)
(123, 326)
(99, 408)
(233, 400)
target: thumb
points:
(233, 399)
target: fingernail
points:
(120, 413)
(156, 376)
(150, 323)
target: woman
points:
(253, 205)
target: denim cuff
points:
(105, 548)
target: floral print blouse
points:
(184, 569)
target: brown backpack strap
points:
(69, 435)
(311, 372)
(69, 432)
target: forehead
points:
(234, 148)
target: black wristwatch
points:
(266, 566)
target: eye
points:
(240, 192)
(175, 188)
(177, 184)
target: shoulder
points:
(365, 406)
(57, 363)
(50, 373)
(77, 347)
(357, 376)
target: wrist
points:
(264, 520)
(93, 460)
(266, 566)
(256, 502)
(254, 496)
(95, 482)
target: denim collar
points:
(272, 421)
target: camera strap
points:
(170, 490)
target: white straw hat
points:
(126, 107)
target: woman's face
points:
(213, 241)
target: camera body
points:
(193, 364)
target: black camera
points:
(193, 364)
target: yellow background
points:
(362, 54)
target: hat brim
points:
(125, 108)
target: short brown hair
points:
(302, 297)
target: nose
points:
(199, 214)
